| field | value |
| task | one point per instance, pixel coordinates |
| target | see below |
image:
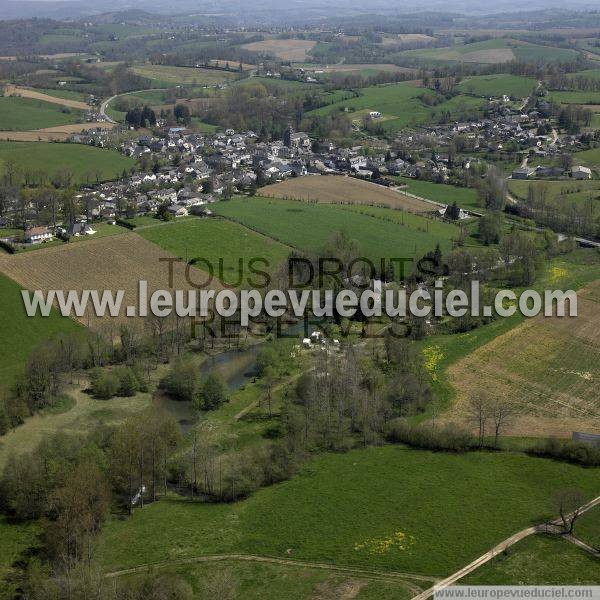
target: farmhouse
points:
(523, 173)
(37, 235)
(580, 172)
(177, 211)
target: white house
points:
(177, 211)
(37, 235)
(580, 172)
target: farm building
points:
(580, 172)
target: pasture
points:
(166, 76)
(334, 189)
(309, 226)
(494, 51)
(119, 263)
(289, 49)
(86, 163)
(539, 560)
(576, 97)
(440, 192)
(402, 101)
(24, 114)
(21, 333)
(257, 580)
(547, 368)
(345, 509)
(218, 240)
(562, 192)
(498, 85)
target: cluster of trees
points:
(572, 118)
(133, 350)
(559, 213)
(69, 483)
(183, 382)
(140, 117)
(350, 399)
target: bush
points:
(448, 438)
(579, 453)
(125, 224)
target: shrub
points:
(571, 451)
(448, 438)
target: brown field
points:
(548, 368)
(406, 37)
(492, 56)
(12, 90)
(292, 50)
(337, 189)
(53, 134)
(110, 263)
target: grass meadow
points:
(216, 240)
(309, 226)
(24, 114)
(86, 163)
(538, 560)
(21, 333)
(347, 509)
(167, 76)
(498, 85)
(400, 105)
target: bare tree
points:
(479, 410)
(569, 502)
(502, 414)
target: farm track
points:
(374, 575)
(501, 547)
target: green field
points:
(589, 158)
(24, 114)
(21, 333)
(539, 560)
(309, 226)
(498, 85)
(64, 94)
(496, 50)
(575, 97)
(85, 162)
(168, 76)
(440, 192)
(400, 105)
(215, 239)
(568, 191)
(259, 581)
(341, 508)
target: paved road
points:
(501, 547)
(105, 104)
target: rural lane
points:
(501, 547)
